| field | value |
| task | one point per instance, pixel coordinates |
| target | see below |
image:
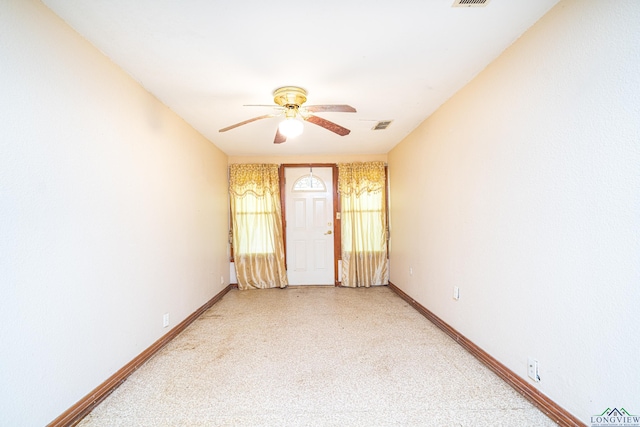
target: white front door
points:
(309, 225)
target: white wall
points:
(524, 191)
(113, 211)
(335, 158)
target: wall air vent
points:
(470, 3)
(382, 125)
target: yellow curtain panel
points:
(362, 188)
(258, 246)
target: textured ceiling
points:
(395, 60)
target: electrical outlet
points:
(222, 280)
(456, 293)
(410, 271)
(532, 369)
(165, 320)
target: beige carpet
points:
(314, 356)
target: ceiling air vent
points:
(382, 125)
(470, 3)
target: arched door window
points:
(309, 183)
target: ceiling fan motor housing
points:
(290, 96)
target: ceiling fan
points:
(289, 100)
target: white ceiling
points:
(391, 60)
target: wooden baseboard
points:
(546, 405)
(81, 409)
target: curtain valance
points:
(359, 177)
(256, 179)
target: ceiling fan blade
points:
(266, 116)
(331, 108)
(280, 138)
(333, 127)
(263, 105)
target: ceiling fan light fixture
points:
(290, 127)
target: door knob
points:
(328, 232)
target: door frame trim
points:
(337, 253)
